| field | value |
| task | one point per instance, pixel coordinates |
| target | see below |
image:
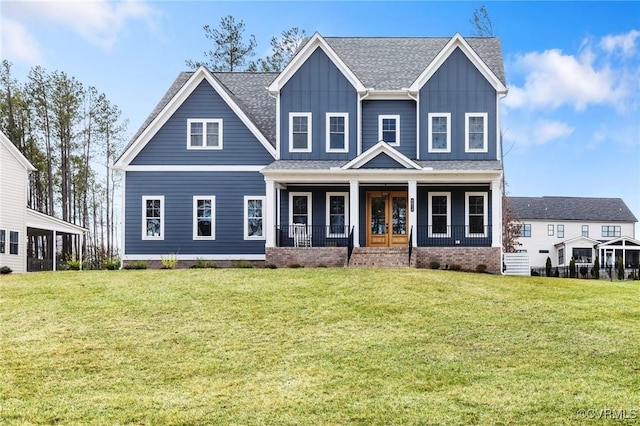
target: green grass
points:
(315, 346)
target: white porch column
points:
(496, 217)
(354, 210)
(270, 214)
(413, 210)
(54, 250)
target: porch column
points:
(413, 210)
(354, 210)
(270, 214)
(54, 249)
(496, 217)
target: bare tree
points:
(283, 50)
(481, 22)
(231, 51)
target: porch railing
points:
(350, 246)
(454, 236)
(410, 244)
(312, 236)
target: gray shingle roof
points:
(394, 63)
(572, 208)
(435, 165)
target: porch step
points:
(380, 256)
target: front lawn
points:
(316, 346)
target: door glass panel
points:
(399, 205)
(378, 215)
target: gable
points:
(389, 158)
(11, 153)
(168, 146)
(383, 161)
(317, 74)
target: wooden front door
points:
(387, 219)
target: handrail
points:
(410, 245)
(350, 246)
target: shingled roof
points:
(572, 208)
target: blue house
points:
(362, 151)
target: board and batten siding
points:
(178, 189)
(318, 87)
(169, 144)
(14, 180)
(406, 109)
(457, 87)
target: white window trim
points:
(146, 198)
(344, 115)
(485, 140)
(248, 198)
(485, 213)
(3, 242)
(446, 115)
(395, 117)
(196, 198)
(10, 243)
(550, 230)
(309, 131)
(204, 122)
(430, 212)
(309, 209)
(345, 195)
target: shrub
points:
(557, 273)
(140, 264)
(202, 264)
(596, 268)
(271, 266)
(434, 264)
(620, 265)
(242, 263)
(111, 264)
(295, 266)
(4, 270)
(169, 262)
(572, 267)
(548, 267)
(481, 268)
(584, 271)
(455, 267)
(75, 265)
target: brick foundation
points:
(467, 257)
(283, 257)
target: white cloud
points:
(626, 43)
(16, 43)
(99, 22)
(540, 132)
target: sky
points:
(570, 123)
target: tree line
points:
(71, 133)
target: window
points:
(476, 134)
(439, 133)
(300, 208)
(439, 210)
(525, 230)
(476, 213)
(610, 231)
(389, 129)
(337, 213)
(3, 240)
(337, 132)
(13, 242)
(550, 230)
(582, 255)
(560, 232)
(561, 256)
(153, 218)
(254, 218)
(300, 132)
(204, 134)
(585, 230)
(204, 214)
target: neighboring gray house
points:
(580, 227)
(361, 151)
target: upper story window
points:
(476, 134)
(337, 132)
(476, 213)
(153, 217)
(254, 217)
(611, 231)
(300, 132)
(204, 134)
(439, 214)
(560, 232)
(204, 213)
(585, 230)
(439, 132)
(13, 242)
(550, 230)
(525, 230)
(389, 129)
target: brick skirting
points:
(283, 257)
(467, 257)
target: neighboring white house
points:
(21, 226)
(564, 227)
